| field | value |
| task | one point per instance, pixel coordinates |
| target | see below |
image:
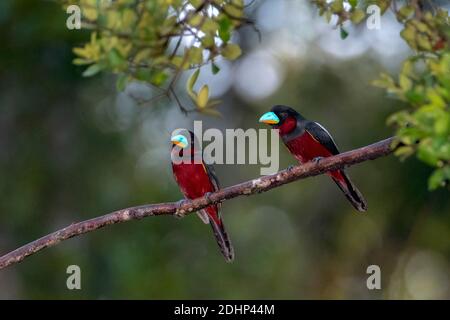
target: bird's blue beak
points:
(269, 118)
(180, 141)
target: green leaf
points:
(231, 51)
(92, 70)
(353, 3)
(435, 99)
(395, 143)
(142, 55)
(385, 81)
(328, 15)
(213, 103)
(225, 29)
(441, 145)
(408, 68)
(196, 19)
(439, 178)
(202, 97)
(442, 125)
(190, 84)
(195, 3)
(337, 6)
(128, 18)
(143, 74)
(215, 68)
(209, 26)
(357, 16)
(409, 34)
(344, 33)
(208, 41)
(424, 42)
(405, 82)
(401, 118)
(410, 135)
(115, 59)
(415, 97)
(121, 82)
(426, 153)
(383, 4)
(192, 80)
(81, 62)
(177, 61)
(404, 152)
(422, 27)
(195, 55)
(159, 78)
(405, 12)
(233, 10)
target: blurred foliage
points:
(425, 129)
(73, 148)
(145, 40)
(423, 83)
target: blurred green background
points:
(73, 148)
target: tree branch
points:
(182, 208)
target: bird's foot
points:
(316, 160)
(180, 213)
(208, 196)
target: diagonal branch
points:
(258, 185)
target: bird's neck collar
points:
(288, 125)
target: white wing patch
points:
(203, 215)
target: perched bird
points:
(196, 179)
(308, 140)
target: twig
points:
(182, 108)
(370, 152)
(142, 101)
(417, 8)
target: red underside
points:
(194, 182)
(305, 148)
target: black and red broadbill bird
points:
(196, 179)
(308, 140)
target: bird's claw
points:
(316, 160)
(180, 213)
(208, 196)
(289, 169)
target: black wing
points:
(212, 175)
(322, 135)
(214, 180)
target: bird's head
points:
(281, 117)
(180, 141)
(185, 139)
(185, 144)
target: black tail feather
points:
(223, 240)
(352, 193)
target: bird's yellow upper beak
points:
(180, 141)
(269, 118)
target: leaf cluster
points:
(153, 41)
(423, 82)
